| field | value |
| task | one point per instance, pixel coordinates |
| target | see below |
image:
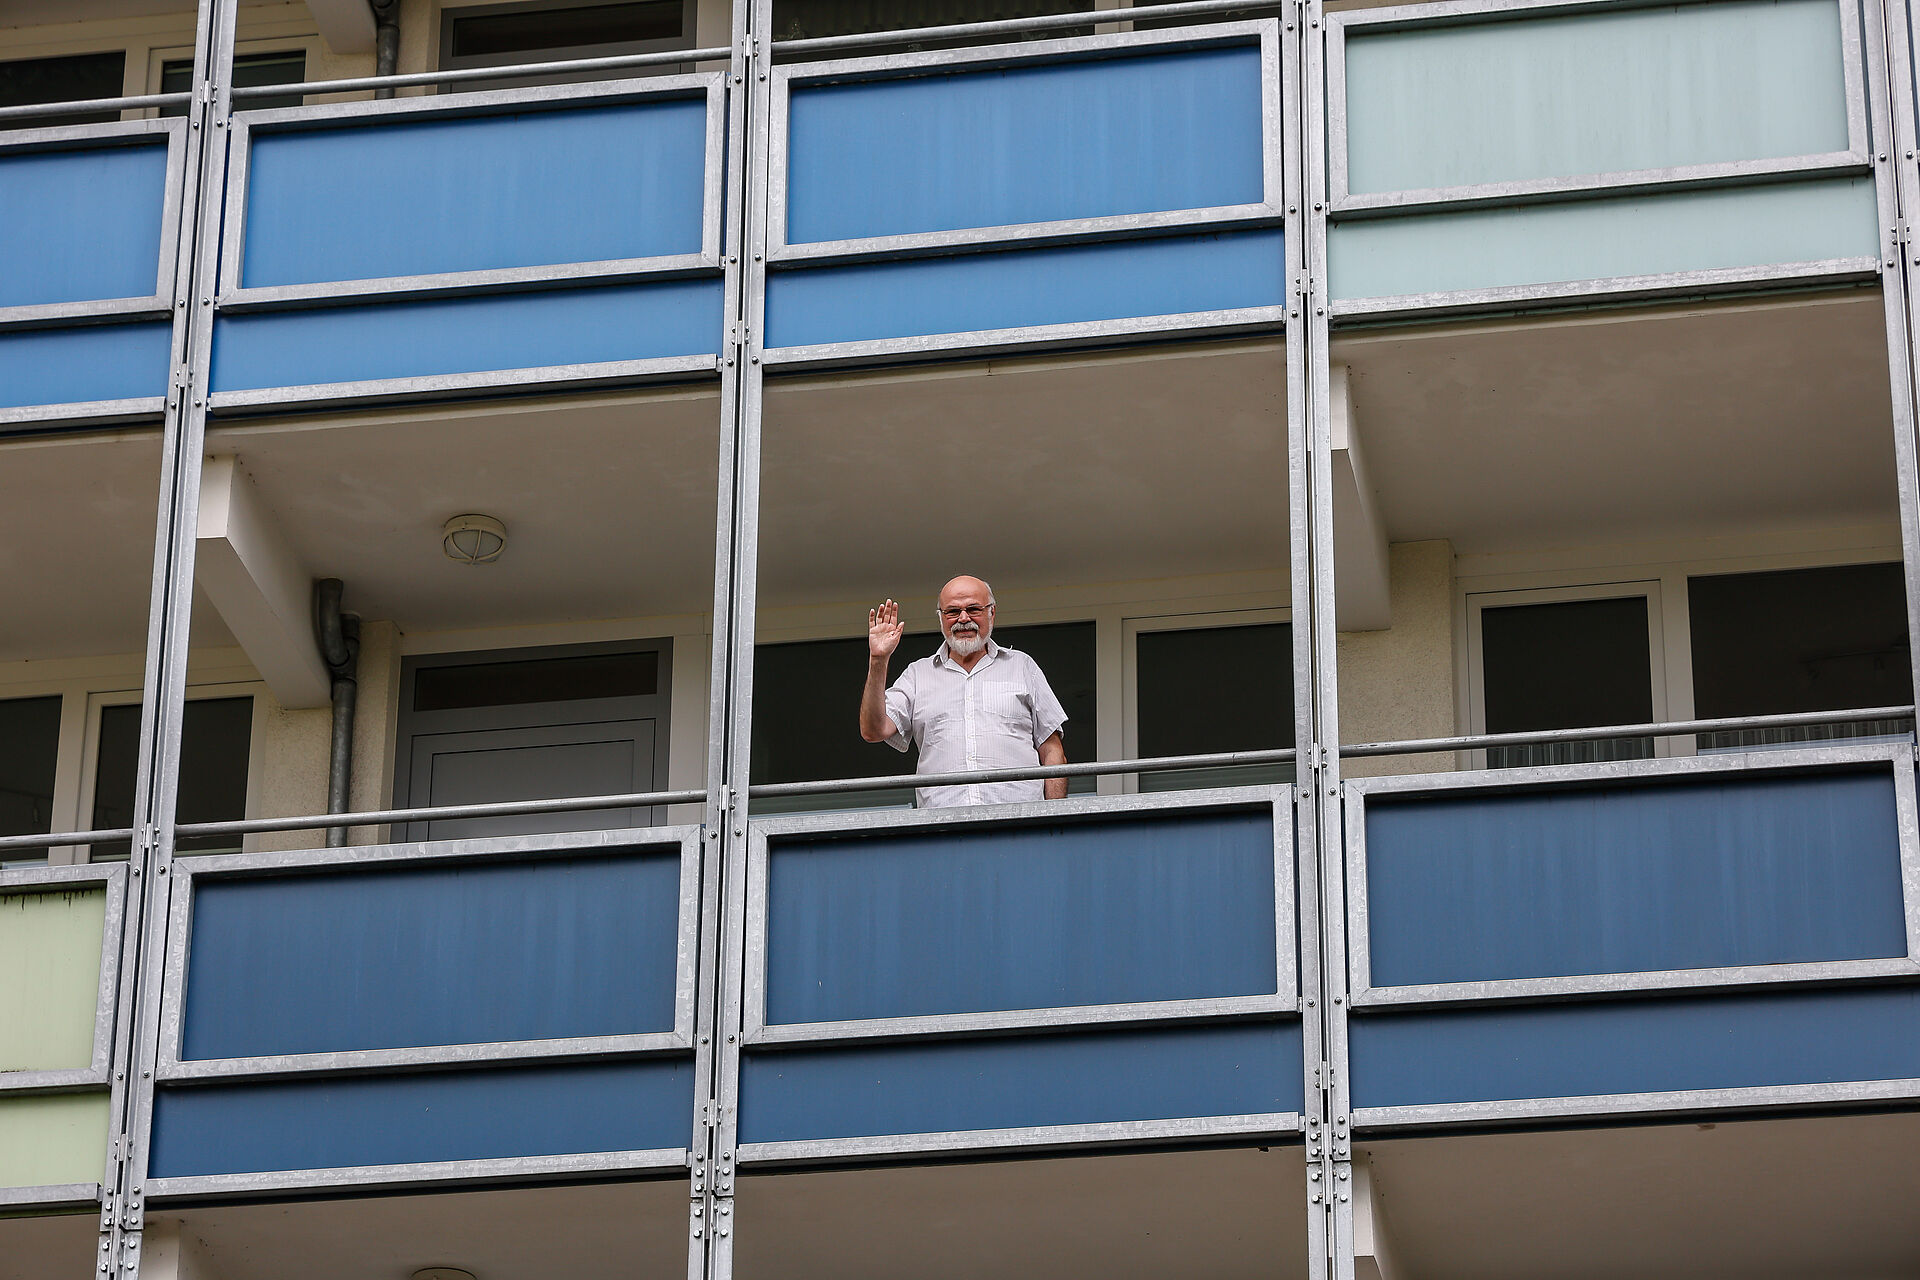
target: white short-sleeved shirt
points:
(993, 717)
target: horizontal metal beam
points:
(1028, 773)
(385, 817)
(1600, 733)
(1017, 26)
(8, 843)
(617, 63)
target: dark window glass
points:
(250, 71)
(1828, 639)
(806, 701)
(1570, 665)
(73, 79)
(215, 742)
(810, 19)
(484, 34)
(517, 683)
(1207, 689)
(29, 750)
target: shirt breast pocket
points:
(1007, 706)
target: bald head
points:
(966, 615)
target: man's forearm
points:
(874, 725)
(1054, 751)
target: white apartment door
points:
(532, 724)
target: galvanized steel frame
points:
(982, 821)
(1650, 1106)
(1131, 1134)
(1856, 158)
(189, 871)
(1096, 48)
(93, 137)
(1898, 759)
(235, 297)
(396, 1177)
(112, 877)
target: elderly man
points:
(972, 704)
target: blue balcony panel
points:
(972, 148)
(1150, 908)
(81, 225)
(1564, 95)
(446, 954)
(1028, 287)
(1636, 1046)
(484, 1114)
(466, 335)
(940, 1086)
(1641, 235)
(1765, 869)
(83, 363)
(537, 188)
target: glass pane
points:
(484, 34)
(508, 684)
(29, 750)
(72, 79)
(216, 739)
(1188, 707)
(1800, 640)
(1567, 665)
(250, 71)
(806, 700)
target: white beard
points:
(966, 646)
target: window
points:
(806, 701)
(78, 78)
(507, 34)
(215, 744)
(1201, 687)
(250, 70)
(1566, 664)
(29, 755)
(1826, 639)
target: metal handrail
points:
(616, 62)
(1601, 733)
(1018, 26)
(65, 837)
(89, 105)
(384, 817)
(1025, 773)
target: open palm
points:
(884, 630)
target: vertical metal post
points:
(1891, 112)
(731, 727)
(182, 445)
(1323, 914)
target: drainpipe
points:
(386, 40)
(339, 637)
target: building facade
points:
(1455, 462)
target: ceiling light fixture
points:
(473, 539)
(442, 1273)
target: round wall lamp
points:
(473, 539)
(442, 1273)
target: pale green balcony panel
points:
(1542, 244)
(52, 1139)
(1558, 97)
(50, 952)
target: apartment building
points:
(1455, 463)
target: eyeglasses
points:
(966, 611)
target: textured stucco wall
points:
(1398, 683)
(292, 752)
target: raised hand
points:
(883, 630)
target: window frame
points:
(159, 55)
(1134, 625)
(445, 59)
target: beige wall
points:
(292, 753)
(1398, 683)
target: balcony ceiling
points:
(608, 503)
(1031, 472)
(539, 1233)
(1828, 1196)
(1629, 426)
